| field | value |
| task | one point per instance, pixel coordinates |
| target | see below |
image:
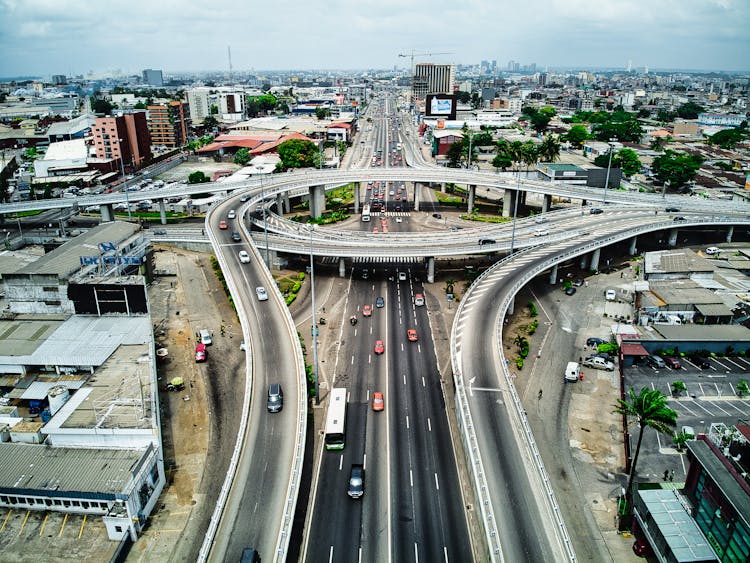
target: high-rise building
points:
(199, 104)
(153, 77)
(232, 106)
(123, 137)
(166, 124)
(59, 79)
(432, 78)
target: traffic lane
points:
(375, 527)
(263, 473)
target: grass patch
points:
(486, 218)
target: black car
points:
(593, 341)
(570, 291)
(596, 211)
(236, 236)
(437, 216)
(672, 209)
(679, 218)
(699, 361)
(486, 241)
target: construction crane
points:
(414, 54)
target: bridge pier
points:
(356, 196)
(107, 214)
(279, 204)
(584, 261)
(730, 233)
(595, 259)
(430, 270)
(442, 187)
(546, 203)
(287, 204)
(317, 201)
(633, 250)
(508, 196)
(553, 275)
(472, 195)
(342, 268)
(416, 196)
(512, 306)
(163, 212)
(672, 237)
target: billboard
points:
(441, 105)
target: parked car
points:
(655, 362)
(606, 357)
(570, 291)
(712, 250)
(699, 361)
(610, 295)
(598, 363)
(578, 282)
(672, 362)
(594, 341)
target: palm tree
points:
(549, 149)
(514, 151)
(529, 154)
(650, 409)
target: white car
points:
(541, 233)
(610, 295)
(244, 257)
(712, 250)
(398, 220)
(261, 293)
(232, 214)
(402, 276)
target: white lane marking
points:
(368, 395)
(423, 382)
(359, 556)
(407, 421)
(437, 483)
(369, 358)
(445, 554)
(402, 346)
(404, 379)
(411, 478)
(429, 425)
(416, 554)
(341, 462)
(352, 362)
(364, 461)
(330, 555)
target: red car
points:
(411, 334)
(378, 404)
(200, 353)
(673, 363)
(367, 311)
(223, 225)
(379, 347)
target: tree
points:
(729, 138)
(549, 149)
(628, 160)
(742, 387)
(98, 105)
(657, 144)
(540, 118)
(214, 109)
(678, 387)
(197, 177)
(455, 154)
(622, 126)
(242, 157)
(298, 153)
(463, 97)
(501, 161)
(677, 168)
(210, 122)
(576, 135)
(529, 154)
(665, 116)
(322, 113)
(650, 409)
(690, 110)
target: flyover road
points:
(261, 496)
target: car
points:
(380, 302)
(399, 220)
(402, 276)
(679, 218)
(379, 347)
(411, 334)
(595, 211)
(672, 209)
(711, 250)
(261, 293)
(160, 231)
(570, 291)
(610, 295)
(598, 363)
(223, 225)
(483, 241)
(232, 214)
(236, 236)
(699, 361)
(419, 300)
(367, 311)
(378, 403)
(200, 352)
(603, 355)
(365, 274)
(672, 362)
(356, 481)
(437, 216)
(540, 219)
(655, 362)
(391, 193)
(578, 282)
(244, 198)
(541, 233)
(689, 432)
(244, 257)
(594, 341)
(275, 398)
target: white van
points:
(572, 372)
(205, 337)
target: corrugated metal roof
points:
(707, 333)
(713, 310)
(39, 389)
(27, 466)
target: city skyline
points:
(43, 38)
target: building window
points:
(118, 528)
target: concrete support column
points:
(342, 268)
(595, 259)
(287, 205)
(508, 202)
(273, 258)
(107, 213)
(279, 204)
(553, 275)
(442, 187)
(416, 196)
(512, 306)
(356, 196)
(672, 237)
(472, 194)
(546, 203)
(730, 233)
(163, 211)
(633, 242)
(317, 201)
(430, 270)
(584, 261)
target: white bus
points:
(366, 212)
(336, 420)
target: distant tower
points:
(645, 69)
(229, 54)
(630, 65)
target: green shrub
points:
(301, 276)
(296, 287)
(519, 363)
(532, 308)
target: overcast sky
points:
(44, 37)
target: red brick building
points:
(123, 137)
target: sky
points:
(45, 37)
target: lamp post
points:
(515, 209)
(314, 321)
(609, 165)
(265, 225)
(122, 170)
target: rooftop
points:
(708, 333)
(67, 150)
(676, 261)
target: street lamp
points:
(314, 321)
(515, 209)
(122, 170)
(265, 225)
(609, 165)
